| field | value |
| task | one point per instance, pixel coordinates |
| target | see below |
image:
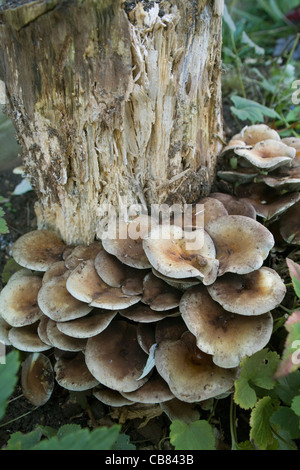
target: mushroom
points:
(90, 325)
(156, 390)
(289, 225)
(254, 293)
(115, 358)
(64, 342)
(287, 181)
(37, 379)
(255, 133)
(242, 244)
(38, 249)
(158, 294)
(144, 314)
(234, 205)
(226, 336)
(86, 285)
(18, 301)
(213, 208)
(268, 154)
(111, 397)
(82, 253)
(181, 254)
(295, 143)
(190, 373)
(72, 373)
(57, 303)
(26, 338)
(127, 243)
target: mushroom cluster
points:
(264, 169)
(165, 316)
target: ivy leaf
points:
(261, 431)
(197, 435)
(250, 110)
(8, 379)
(294, 270)
(257, 370)
(290, 361)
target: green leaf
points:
(3, 225)
(20, 441)
(294, 270)
(8, 379)
(257, 370)
(250, 110)
(261, 431)
(286, 420)
(288, 387)
(72, 438)
(246, 40)
(296, 405)
(123, 443)
(290, 361)
(197, 435)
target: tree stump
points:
(112, 103)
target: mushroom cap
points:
(73, 374)
(88, 326)
(234, 205)
(190, 373)
(38, 249)
(268, 154)
(64, 342)
(295, 143)
(213, 208)
(26, 338)
(156, 390)
(255, 133)
(226, 336)
(82, 253)
(181, 254)
(57, 303)
(144, 314)
(115, 358)
(4, 330)
(146, 336)
(37, 379)
(240, 176)
(18, 301)
(289, 225)
(127, 246)
(56, 269)
(111, 397)
(242, 244)
(158, 294)
(284, 181)
(254, 293)
(86, 285)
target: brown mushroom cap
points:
(86, 285)
(82, 253)
(73, 374)
(268, 154)
(156, 390)
(56, 269)
(226, 336)
(90, 325)
(18, 301)
(37, 379)
(64, 342)
(111, 397)
(213, 208)
(254, 293)
(26, 338)
(4, 330)
(171, 252)
(190, 373)
(242, 244)
(57, 303)
(38, 249)
(158, 294)
(127, 243)
(295, 143)
(144, 314)
(255, 133)
(234, 205)
(289, 225)
(115, 358)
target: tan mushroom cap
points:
(254, 293)
(190, 373)
(115, 358)
(235, 142)
(255, 133)
(213, 208)
(73, 374)
(26, 338)
(111, 397)
(181, 254)
(56, 269)
(242, 244)
(295, 143)
(268, 154)
(289, 225)
(178, 409)
(42, 330)
(156, 390)
(127, 243)
(86, 285)
(144, 314)
(4, 330)
(284, 181)
(64, 342)
(226, 336)
(180, 284)
(57, 303)
(38, 249)
(37, 379)
(234, 205)
(88, 326)
(82, 253)
(18, 301)
(158, 294)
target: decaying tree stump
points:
(112, 102)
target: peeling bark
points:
(109, 105)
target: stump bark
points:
(112, 102)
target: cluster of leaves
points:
(260, 86)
